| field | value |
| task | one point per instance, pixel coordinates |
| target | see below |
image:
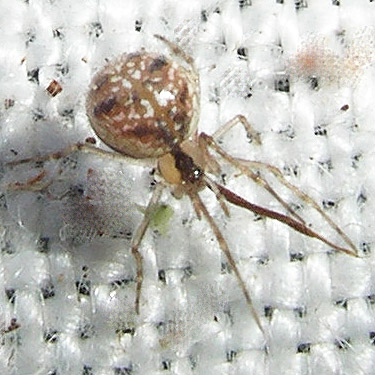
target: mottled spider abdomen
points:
(142, 104)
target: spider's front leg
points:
(300, 194)
(205, 142)
(247, 168)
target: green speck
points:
(160, 218)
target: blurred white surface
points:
(66, 270)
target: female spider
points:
(145, 105)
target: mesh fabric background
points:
(302, 73)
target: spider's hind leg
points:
(38, 182)
(82, 147)
(35, 183)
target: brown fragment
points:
(54, 88)
(90, 140)
(11, 327)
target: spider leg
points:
(82, 147)
(212, 185)
(245, 167)
(198, 204)
(177, 50)
(36, 184)
(235, 199)
(32, 184)
(239, 119)
(242, 120)
(206, 141)
(137, 239)
(300, 194)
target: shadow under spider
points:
(144, 106)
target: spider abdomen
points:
(142, 104)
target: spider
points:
(146, 106)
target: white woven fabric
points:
(302, 73)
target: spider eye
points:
(197, 173)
